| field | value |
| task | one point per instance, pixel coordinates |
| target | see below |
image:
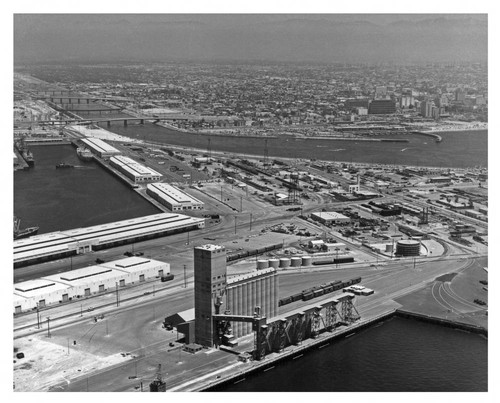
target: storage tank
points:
(296, 261)
(389, 247)
(262, 264)
(408, 247)
(306, 261)
(274, 263)
(284, 262)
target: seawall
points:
(294, 352)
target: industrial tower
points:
(209, 281)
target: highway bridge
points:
(87, 121)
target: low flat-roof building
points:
(84, 282)
(330, 217)
(135, 171)
(173, 198)
(101, 148)
(81, 240)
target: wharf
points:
(455, 324)
(120, 176)
(289, 353)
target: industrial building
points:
(209, 283)
(84, 282)
(101, 148)
(408, 247)
(64, 243)
(135, 171)
(244, 293)
(330, 217)
(173, 198)
(241, 294)
(381, 107)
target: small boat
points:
(23, 233)
(63, 165)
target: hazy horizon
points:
(301, 38)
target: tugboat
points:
(63, 165)
(84, 154)
(23, 233)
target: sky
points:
(302, 38)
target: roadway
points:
(136, 328)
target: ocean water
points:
(399, 355)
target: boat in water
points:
(23, 233)
(84, 154)
(63, 165)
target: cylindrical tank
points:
(306, 261)
(408, 247)
(262, 264)
(296, 261)
(389, 247)
(284, 262)
(275, 263)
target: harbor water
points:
(399, 355)
(458, 149)
(60, 199)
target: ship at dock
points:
(84, 154)
(23, 233)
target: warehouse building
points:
(173, 198)
(135, 171)
(82, 240)
(85, 282)
(330, 218)
(101, 148)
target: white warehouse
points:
(101, 148)
(84, 282)
(135, 171)
(173, 198)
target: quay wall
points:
(297, 351)
(293, 352)
(442, 321)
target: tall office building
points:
(209, 281)
(426, 108)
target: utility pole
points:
(38, 315)
(250, 221)
(117, 296)
(185, 279)
(221, 194)
(48, 327)
(235, 224)
(68, 346)
(241, 204)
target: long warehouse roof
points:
(133, 166)
(100, 145)
(64, 241)
(172, 193)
